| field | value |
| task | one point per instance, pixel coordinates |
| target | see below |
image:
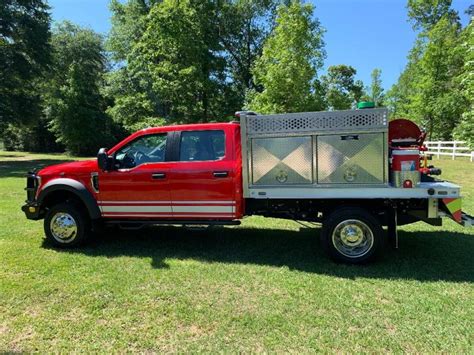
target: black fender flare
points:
(74, 187)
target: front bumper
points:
(32, 210)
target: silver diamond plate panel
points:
(351, 159)
(351, 120)
(282, 161)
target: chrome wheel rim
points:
(353, 238)
(63, 227)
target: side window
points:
(202, 145)
(146, 149)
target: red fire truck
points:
(352, 171)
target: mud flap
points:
(453, 206)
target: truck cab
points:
(184, 174)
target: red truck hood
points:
(72, 168)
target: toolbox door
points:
(351, 158)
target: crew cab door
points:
(138, 187)
(202, 178)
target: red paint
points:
(195, 180)
(457, 216)
(135, 184)
(78, 170)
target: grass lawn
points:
(261, 286)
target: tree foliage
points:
(182, 52)
(206, 72)
(287, 70)
(134, 103)
(176, 61)
(342, 90)
(74, 104)
(428, 91)
(376, 89)
(465, 129)
(243, 27)
(424, 14)
(24, 57)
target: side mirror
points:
(103, 159)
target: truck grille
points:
(32, 184)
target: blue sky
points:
(366, 34)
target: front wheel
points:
(66, 225)
(352, 235)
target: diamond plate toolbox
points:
(284, 160)
(319, 149)
(353, 159)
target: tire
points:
(66, 225)
(352, 236)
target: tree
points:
(182, 53)
(134, 102)
(428, 91)
(24, 57)
(287, 70)
(465, 129)
(183, 63)
(243, 27)
(400, 96)
(438, 100)
(424, 14)
(128, 24)
(74, 104)
(376, 89)
(342, 90)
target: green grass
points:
(262, 286)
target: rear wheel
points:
(352, 235)
(66, 225)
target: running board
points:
(137, 224)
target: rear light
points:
(408, 184)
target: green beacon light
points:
(365, 104)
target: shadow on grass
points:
(19, 168)
(423, 256)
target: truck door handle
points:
(221, 174)
(157, 176)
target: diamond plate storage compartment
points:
(282, 160)
(351, 158)
(297, 154)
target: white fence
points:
(452, 148)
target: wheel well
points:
(60, 196)
(377, 208)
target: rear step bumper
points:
(467, 220)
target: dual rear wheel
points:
(352, 235)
